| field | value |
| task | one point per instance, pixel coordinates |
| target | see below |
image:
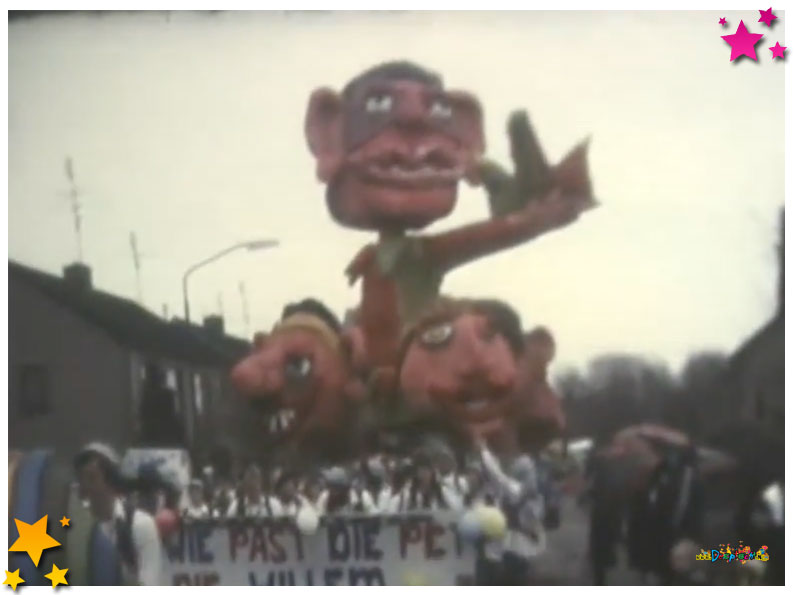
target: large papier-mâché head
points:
(460, 361)
(299, 376)
(393, 146)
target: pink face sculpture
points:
(299, 379)
(460, 361)
(393, 146)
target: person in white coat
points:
(376, 482)
(425, 491)
(252, 501)
(447, 468)
(132, 531)
(195, 507)
(522, 504)
(290, 496)
(340, 497)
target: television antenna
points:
(73, 195)
(136, 261)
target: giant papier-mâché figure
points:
(392, 148)
(299, 379)
(467, 368)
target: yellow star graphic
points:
(64, 522)
(33, 539)
(13, 579)
(57, 576)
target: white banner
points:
(345, 550)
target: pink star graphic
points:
(767, 17)
(723, 22)
(778, 50)
(743, 42)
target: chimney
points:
(214, 325)
(77, 276)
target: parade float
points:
(392, 148)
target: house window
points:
(171, 379)
(34, 390)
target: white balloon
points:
(307, 521)
(469, 526)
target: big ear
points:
(540, 341)
(354, 347)
(323, 128)
(467, 120)
(259, 340)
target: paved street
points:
(565, 560)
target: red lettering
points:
(278, 555)
(258, 545)
(238, 538)
(410, 532)
(432, 531)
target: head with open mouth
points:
(298, 378)
(460, 361)
(393, 146)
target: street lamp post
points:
(253, 245)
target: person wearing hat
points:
(131, 530)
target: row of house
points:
(753, 413)
(87, 365)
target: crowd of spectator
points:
(379, 484)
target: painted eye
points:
(298, 367)
(440, 109)
(378, 104)
(437, 335)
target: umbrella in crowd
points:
(634, 452)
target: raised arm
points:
(496, 476)
(532, 201)
(465, 244)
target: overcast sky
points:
(188, 130)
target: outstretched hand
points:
(554, 210)
(561, 192)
